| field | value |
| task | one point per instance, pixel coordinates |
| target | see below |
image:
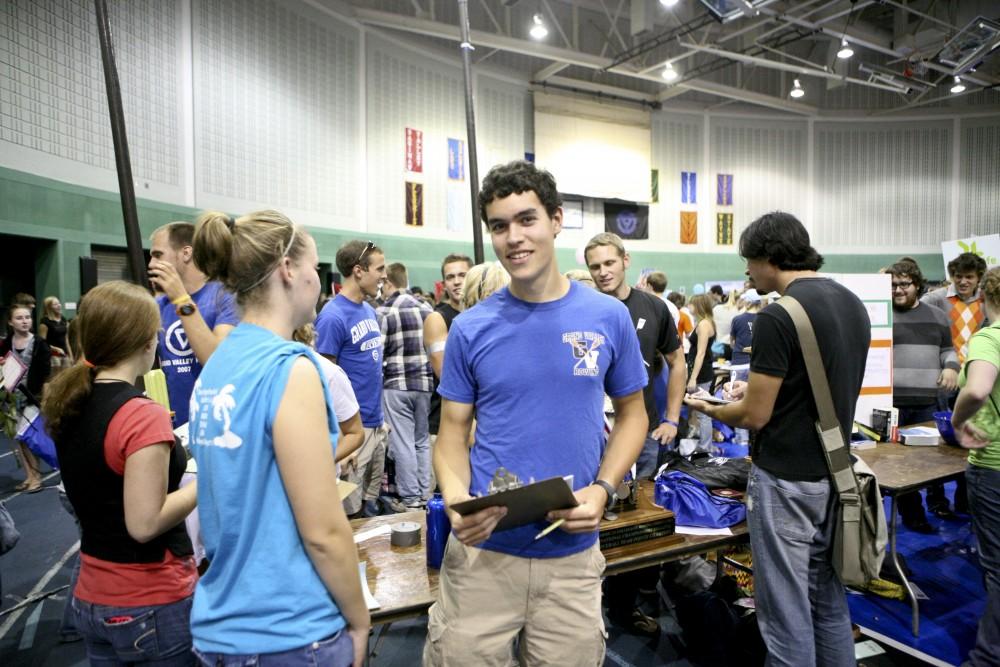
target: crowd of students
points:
(387, 390)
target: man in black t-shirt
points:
(801, 605)
(658, 341)
(453, 270)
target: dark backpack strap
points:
(831, 436)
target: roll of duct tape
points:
(405, 534)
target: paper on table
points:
(345, 488)
(370, 600)
(697, 530)
(371, 532)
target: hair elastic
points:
(230, 223)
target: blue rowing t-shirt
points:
(537, 374)
(350, 331)
(177, 359)
(261, 593)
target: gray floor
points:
(42, 563)
(43, 559)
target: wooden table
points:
(903, 469)
(405, 587)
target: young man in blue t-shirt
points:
(195, 313)
(531, 363)
(348, 333)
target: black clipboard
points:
(525, 504)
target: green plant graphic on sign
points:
(971, 247)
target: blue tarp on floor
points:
(945, 566)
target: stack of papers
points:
(369, 598)
(920, 435)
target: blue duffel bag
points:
(693, 505)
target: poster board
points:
(875, 291)
(987, 247)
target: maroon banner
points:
(414, 150)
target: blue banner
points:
(725, 185)
(689, 187)
(456, 160)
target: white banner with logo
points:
(987, 247)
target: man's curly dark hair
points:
(516, 177)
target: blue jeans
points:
(649, 458)
(409, 441)
(704, 423)
(157, 635)
(801, 605)
(334, 651)
(984, 505)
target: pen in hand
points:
(548, 529)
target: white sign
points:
(987, 247)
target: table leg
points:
(378, 632)
(914, 604)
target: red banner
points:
(414, 150)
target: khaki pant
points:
(366, 472)
(487, 599)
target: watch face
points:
(186, 309)
(622, 491)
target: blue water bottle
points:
(438, 529)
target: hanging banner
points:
(724, 228)
(414, 150)
(725, 190)
(456, 160)
(627, 220)
(689, 227)
(457, 214)
(689, 187)
(414, 204)
(654, 186)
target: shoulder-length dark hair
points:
(782, 240)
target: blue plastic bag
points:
(693, 505)
(37, 439)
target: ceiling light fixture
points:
(845, 50)
(538, 29)
(669, 73)
(797, 90)
(669, 4)
(959, 87)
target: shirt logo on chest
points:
(176, 341)
(583, 345)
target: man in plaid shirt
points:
(407, 385)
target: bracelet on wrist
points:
(181, 299)
(671, 422)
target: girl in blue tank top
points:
(283, 581)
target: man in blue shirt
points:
(348, 334)
(195, 313)
(532, 363)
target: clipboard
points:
(525, 504)
(12, 369)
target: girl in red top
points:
(121, 469)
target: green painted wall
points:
(77, 218)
